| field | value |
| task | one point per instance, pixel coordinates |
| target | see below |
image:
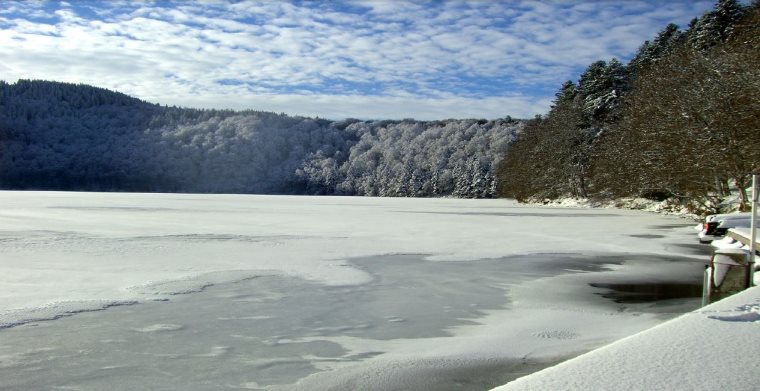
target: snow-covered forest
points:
(78, 137)
(680, 121)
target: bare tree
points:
(690, 125)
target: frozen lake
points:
(170, 291)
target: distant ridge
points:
(64, 136)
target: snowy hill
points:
(78, 137)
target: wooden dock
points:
(742, 235)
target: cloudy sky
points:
(333, 59)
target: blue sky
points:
(332, 59)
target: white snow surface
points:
(713, 348)
(64, 253)
(68, 247)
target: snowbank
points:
(662, 207)
(714, 348)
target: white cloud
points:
(397, 59)
(375, 107)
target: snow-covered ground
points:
(268, 292)
(714, 348)
(666, 207)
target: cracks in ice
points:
(56, 311)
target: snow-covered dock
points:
(743, 236)
(713, 348)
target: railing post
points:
(706, 286)
(753, 228)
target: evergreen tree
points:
(650, 52)
(601, 87)
(715, 27)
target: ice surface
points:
(283, 332)
(318, 292)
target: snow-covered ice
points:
(268, 292)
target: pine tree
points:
(601, 87)
(650, 52)
(715, 27)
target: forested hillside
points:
(681, 120)
(77, 137)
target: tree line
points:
(61, 136)
(680, 121)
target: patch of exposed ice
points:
(161, 327)
(216, 351)
(395, 319)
